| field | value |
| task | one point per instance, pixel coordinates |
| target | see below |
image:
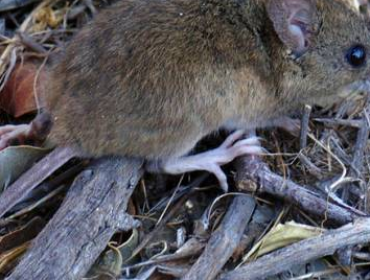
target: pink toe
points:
(230, 140)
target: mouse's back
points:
(150, 78)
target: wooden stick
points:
(252, 168)
(303, 252)
(34, 176)
(7, 5)
(361, 143)
(94, 209)
(224, 240)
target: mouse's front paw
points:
(13, 135)
(234, 146)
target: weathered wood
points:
(93, 210)
(252, 168)
(224, 240)
(303, 252)
(34, 176)
(7, 5)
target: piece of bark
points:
(252, 168)
(224, 240)
(34, 176)
(93, 210)
(360, 148)
(7, 5)
(303, 252)
(357, 163)
(44, 190)
(337, 122)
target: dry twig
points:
(303, 252)
(34, 176)
(253, 168)
(224, 240)
(94, 209)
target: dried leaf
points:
(15, 160)
(17, 98)
(281, 236)
(111, 262)
(9, 257)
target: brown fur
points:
(150, 78)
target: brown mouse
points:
(151, 78)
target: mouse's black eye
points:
(356, 56)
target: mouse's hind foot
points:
(234, 146)
(34, 133)
(13, 135)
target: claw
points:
(211, 161)
(36, 131)
(232, 138)
(13, 133)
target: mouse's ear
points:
(293, 21)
